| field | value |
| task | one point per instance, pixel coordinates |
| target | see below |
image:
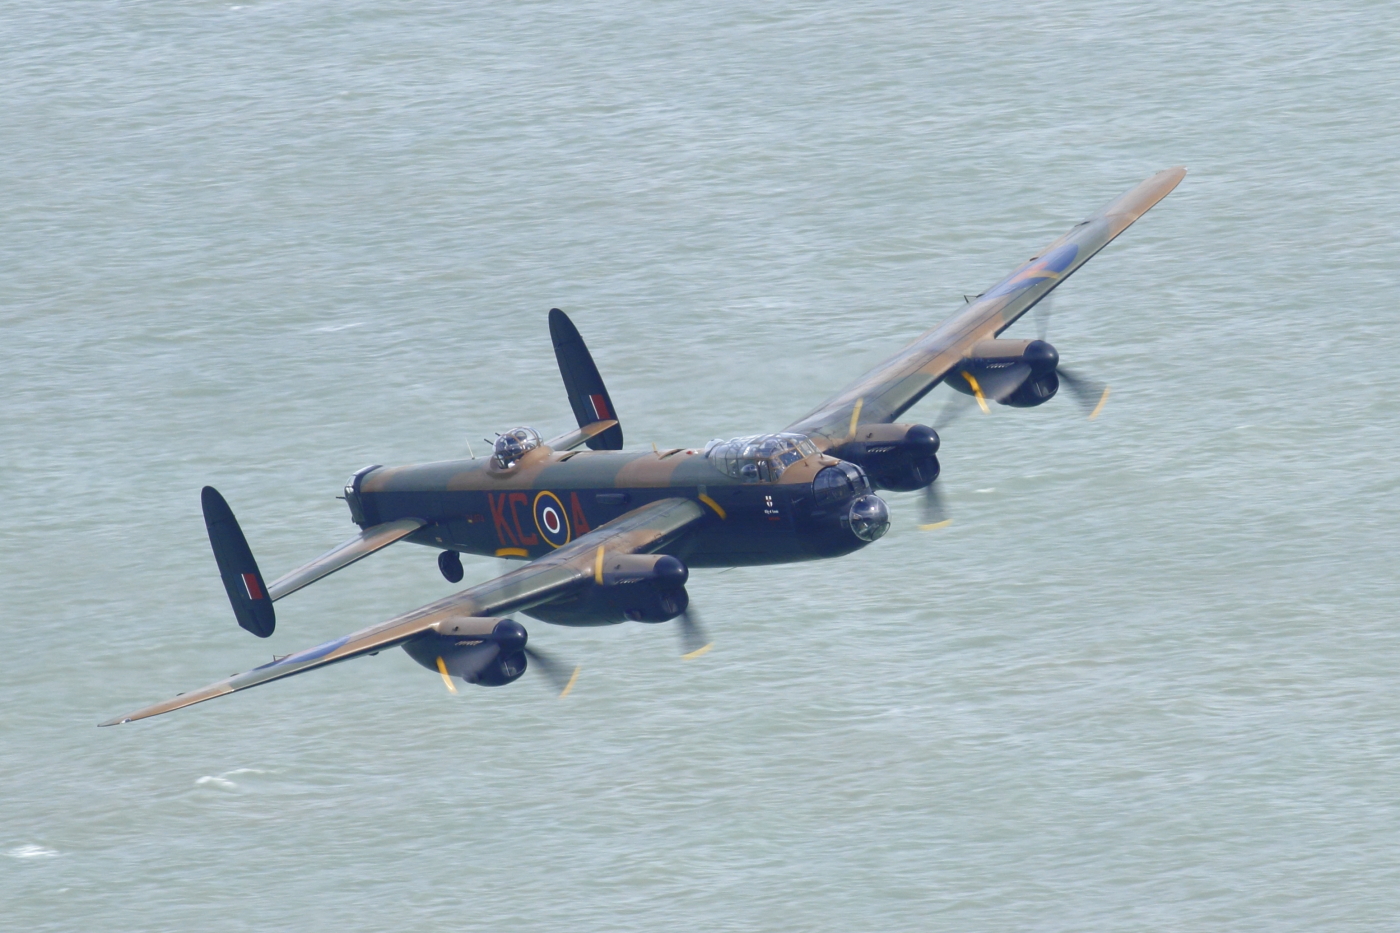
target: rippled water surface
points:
(1146, 680)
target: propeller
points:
(953, 409)
(935, 510)
(693, 640)
(1091, 394)
(447, 675)
(557, 673)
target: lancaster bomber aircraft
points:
(610, 535)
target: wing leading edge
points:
(891, 388)
(644, 529)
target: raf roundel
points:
(551, 519)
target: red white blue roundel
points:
(551, 520)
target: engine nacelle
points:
(1018, 373)
(900, 457)
(478, 650)
(1036, 390)
(625, 587)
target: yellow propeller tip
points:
(936, 525)
(697, 652)
(570, 685)
(1103, 400)
(446, 677)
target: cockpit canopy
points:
(761, 458)
(514, 444)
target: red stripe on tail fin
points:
(250, 583)
(600, 407)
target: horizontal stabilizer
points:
(587, 395)
(363, 544)
(571, 439)
(242, 579)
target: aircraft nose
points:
(869, 518)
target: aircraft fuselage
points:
(549, 498)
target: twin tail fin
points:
(252, 598)
(242, 580)
(587, 395)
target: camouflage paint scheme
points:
(890, 389)
(584, 519)
(475, 508)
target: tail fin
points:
(244, 582)
(587, 394)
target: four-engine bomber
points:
(608, 535)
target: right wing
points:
(564, 571)
(891, 388)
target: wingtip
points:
(1174, 174)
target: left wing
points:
(644, 529)
(891, 388)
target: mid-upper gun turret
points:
(513, 445)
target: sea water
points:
(1146, 679)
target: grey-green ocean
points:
(1148, 679)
